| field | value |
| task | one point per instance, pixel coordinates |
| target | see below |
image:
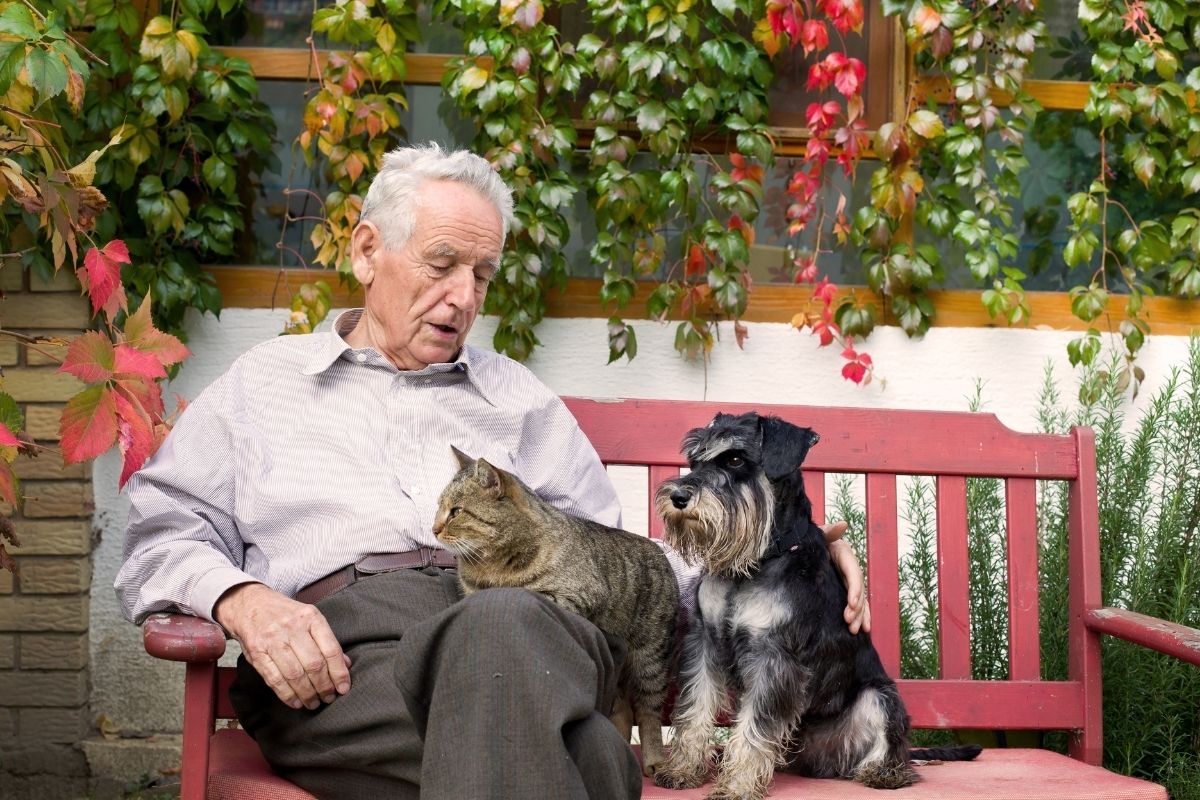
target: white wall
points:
(778, 365)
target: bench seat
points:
(238, 771)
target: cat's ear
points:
(464, 460)
(489, 477)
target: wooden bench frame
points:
(882, 444)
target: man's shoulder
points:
(502, 379)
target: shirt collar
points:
(335, 347)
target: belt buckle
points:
(426, 557)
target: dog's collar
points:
(786, 543)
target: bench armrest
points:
(182, 637)
(1157, 634)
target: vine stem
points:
(31, 342)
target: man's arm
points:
(183, 551)
(858, 612)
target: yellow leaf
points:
(926, 124)
(159, 26)
(83, 173)
(766, 37)
(190, 42)
(683, 6)
(799, 320)
(655, 14)
(473, 78)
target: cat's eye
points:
(454, 512)
(735, 461)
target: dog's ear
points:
(784, 446)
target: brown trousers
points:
(499, 696)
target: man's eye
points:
(734, 461)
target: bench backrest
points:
(885, 444)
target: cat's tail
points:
(962, 752)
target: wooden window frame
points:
(272, 287)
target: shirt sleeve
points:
(182, 548)
(557, 462)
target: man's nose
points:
(461, 291)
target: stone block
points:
(55, 575)
(42, 422)
(54, 650)
(8, 352)
(58, 499)
(41, 385)
(58, 613)
(127, 760)
(6, 581)
(51, 310)
(53, 725)
(8, 652)
(49, 465)
(48, 353)
(63, 281)
(12, 276)
(8, 730)
(61, 760)
(46, 787)
(56, 689)
(53, 537)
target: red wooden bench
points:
(225, 763)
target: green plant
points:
(122, 161)
(1148, 477)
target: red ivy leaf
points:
(8, 438)
(8, 486)
(101, 276)
(854, 371)
(141, 334)
(130, 361)
(90, 357)
(135, 437)
(146, 393)
(813, 35)
(695, 262)
(89, 424)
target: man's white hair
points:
(392, 200)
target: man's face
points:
(422, 299)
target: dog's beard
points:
(726, 530)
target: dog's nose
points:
(681, 497)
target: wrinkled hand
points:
(858, 612)
(288, 643)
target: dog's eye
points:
(735, 461)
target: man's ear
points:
(784, 446)
(366, 244)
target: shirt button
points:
(360, 357)
(429, 380)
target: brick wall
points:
(44, 608)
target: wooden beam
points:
(267, 287)
(279, 63)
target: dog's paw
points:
(669, 778)
(726, 792)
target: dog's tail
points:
(962, 752)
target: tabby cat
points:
(505, 535)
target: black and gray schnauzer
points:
(767, 623)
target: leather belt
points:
(375, 564)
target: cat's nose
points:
(681, 497)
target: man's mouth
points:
(449, 330)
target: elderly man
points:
(293, 504)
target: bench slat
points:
(657, 475)
(883, 580)
(954, 615)
(814, 485)
(1034, 705)
(855, 440)
(1024, 642)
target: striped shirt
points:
(309, 454)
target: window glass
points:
(1065, 54)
